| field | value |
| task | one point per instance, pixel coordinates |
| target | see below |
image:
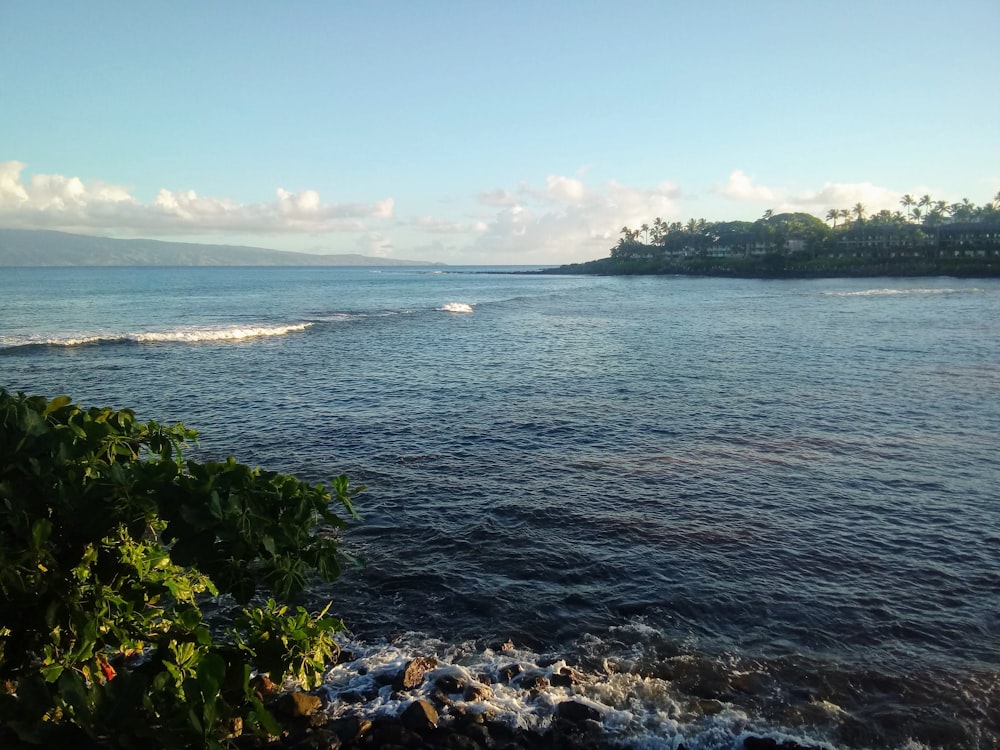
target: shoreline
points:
(786, 268)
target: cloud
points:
(740, 187)
(567, 221)
(375, 244)
(438, 226)
(845, 195)
(58, 202)
(565, 188)
(497, 197)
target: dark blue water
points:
(695, 479)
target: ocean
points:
(733, 507)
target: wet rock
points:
(566, 677)
(506, 674)
(532, 681)
(419, 715)
(576, 712)
(358, 696)
(480, 735)
(261, 685)
(769, 743)
(350, 729)
(502, 647)
(751, 684)
(298, 705)
(441, 698)
(476, 691)
(393, 733)
(344, 656)
(450, 683)
(710, 707)
(320, 739)
(412, 675)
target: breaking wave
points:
(456, 307)
(189, 335)
(900, 292)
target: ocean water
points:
(733, 506)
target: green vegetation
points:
(932, 238)
(109, 542)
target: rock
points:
(298, 705)
(344, 656)
(566, 677)
(449, 683)
(476, 691)
(261, 684)
(350, 729)
(480, 735)
(419, 715)
(392, 733)
(509, 672)
(577, 712)
(533, 681)
(502, 647)
(751, 684)
(769, 743)
(413, 673)
(710, 707)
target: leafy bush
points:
(109, 540)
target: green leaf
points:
(57, 403)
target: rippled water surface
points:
(793, 479)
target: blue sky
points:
(514, 132)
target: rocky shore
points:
(422, 703)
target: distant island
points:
(932, 238)
(35, 247)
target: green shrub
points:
(109, 539)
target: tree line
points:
(922, 224)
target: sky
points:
(485, 132)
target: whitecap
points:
(456, 307)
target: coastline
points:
(785, 267)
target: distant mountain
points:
(35, 247)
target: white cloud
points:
(375, 244)
(497, 197)
(565, 189)
(740, 187)
(58, 202)
(438, 226)
(567, 221)
(845, 195)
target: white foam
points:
(456, 307)
(635, 710)
(899, 292)
(189, 334)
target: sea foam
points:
(193, 334)
(456, 307)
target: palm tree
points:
(845, 214)
(907, 202)
(832, 215)
(859, 211)
(768, 214)
(924, 202)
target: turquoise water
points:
(796, 480)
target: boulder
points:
(298, 705)
(412, 675)
(420, 715)
(577, 712)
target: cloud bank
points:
(67, 203)
(560, 219)
(740, 187)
